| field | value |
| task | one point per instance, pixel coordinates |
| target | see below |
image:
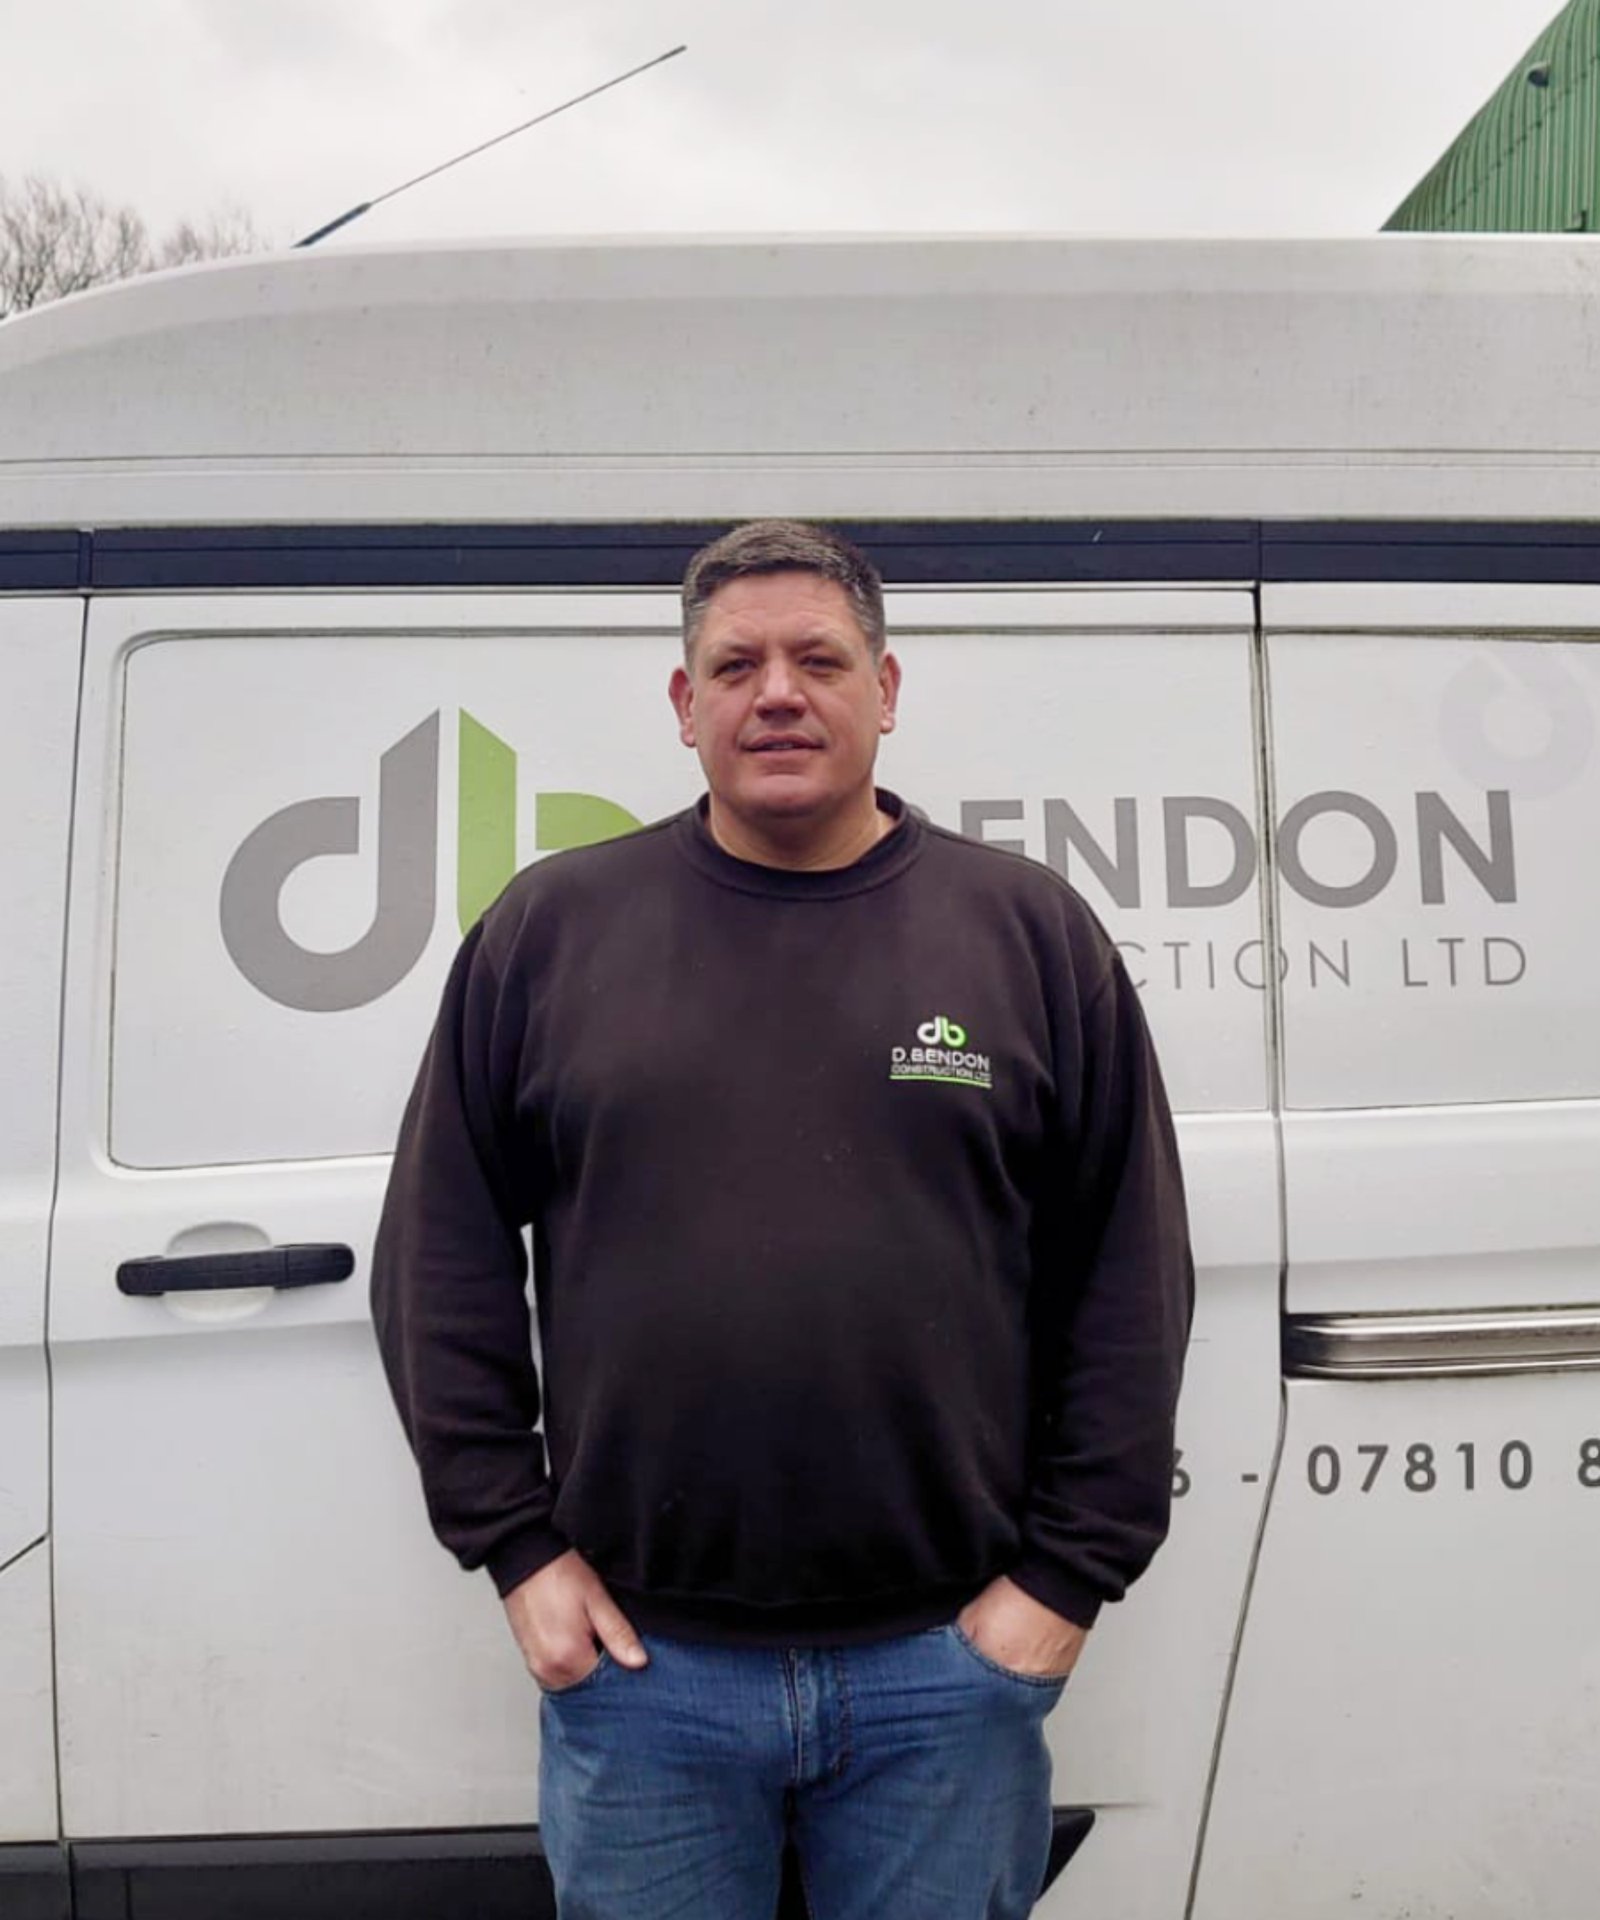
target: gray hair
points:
(784, 546)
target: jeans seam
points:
(805, 1891)
(791, 1683)
(841, 1679)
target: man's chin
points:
(783, 797)
(791, 819)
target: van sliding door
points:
(289, 809)
(1414, 1720)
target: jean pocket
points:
(576, 1686)
(1038, 1682)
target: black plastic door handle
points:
(311, 1265)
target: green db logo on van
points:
(406, 908)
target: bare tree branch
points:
(224, 233)
(56, 240)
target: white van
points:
(1255, 587)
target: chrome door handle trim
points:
(1405, 1346)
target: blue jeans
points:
(911, 1774)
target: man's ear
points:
(680, 691)
(888, 690)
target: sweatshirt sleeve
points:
(449, 1286)
(1115, 1296)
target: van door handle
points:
(312, 1264)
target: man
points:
(863, 1285)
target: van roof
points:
(851, 376)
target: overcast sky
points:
(1099, 116)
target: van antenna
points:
(550, 113)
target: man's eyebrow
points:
(735, 645)
(738, 642)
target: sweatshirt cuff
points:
(1056, 1588)
(524, 1555)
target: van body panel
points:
(39, 658)
(304, 712)
(40, 648)
(1436, 783)
(727, 378)
(292, 1652)
(1422, 1612)
(1463, 1208)
(229, 1465)
(1432, 1647)
(758, 335)
(1135, 1735)
(27, 1702)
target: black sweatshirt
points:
(860, 1250)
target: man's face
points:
(784, 704)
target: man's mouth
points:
(782, 746)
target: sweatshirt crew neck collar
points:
(891, 856)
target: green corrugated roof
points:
(1528, 162)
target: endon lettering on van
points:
(269, 956)
(1120, 870)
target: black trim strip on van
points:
(653, 554)
(1414, 1346)
(1469, 551)
(491, 1874)
(909, 552)
(46, 562)
(35, 1883)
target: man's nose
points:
(779, 686)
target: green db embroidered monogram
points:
(942, 1057)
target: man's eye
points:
(728, 668)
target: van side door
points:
(1415, 1719)
(290, 808)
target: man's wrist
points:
(526, 1553)
(1059, 1590)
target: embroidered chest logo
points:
(941, 1054)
